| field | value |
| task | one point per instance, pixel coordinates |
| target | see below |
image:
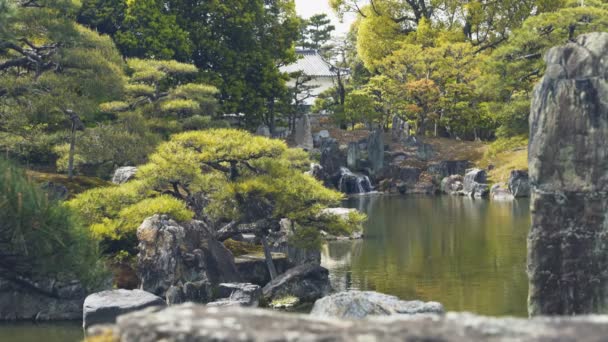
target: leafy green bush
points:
(40, 237)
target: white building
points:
(312, 64)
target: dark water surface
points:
(53, 332)
(468, 254)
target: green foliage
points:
(40, 237)
(244, 177)
(316, 32)
(74, 69)
(515, 67)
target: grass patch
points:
(239, 248)
(77, 185)
(505, 155)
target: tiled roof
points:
(311, 64)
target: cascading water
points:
(352, 183)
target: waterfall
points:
(352, 183)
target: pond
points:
(52, 332)
(468, 254)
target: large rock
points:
(189, 322)
(319, 138)
(475, 184)
(44, 301)
(281, 242)
(303, 134)
(360, 304)
(448, 168)
(568, 243)
(375, 151)
(452, 185)
(307, 282)
(400, 129)
(332, 159)
(182, 255)
(353, 155)
(241, 294)
(104, 307)
(519, 183)
(253, 268)
(263, 131)
(124, 174)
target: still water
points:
(468, 254)
(53, 332)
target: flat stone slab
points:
(104, 307)
(190, 322)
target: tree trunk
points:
(71, 155)
(268, 255)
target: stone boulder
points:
(320, 137)
(519, 183)
(253, 268)
(353, 155)
(360, 304)
(182, 255)
(500, 192)
(239, 294)
(190, 322)
(475, 184)
(375, 151)
(452, 185)
(280, 242)
(448, 168)
(124, 174)
(332, 159)
(104, 307)
(307, 282)
(567, 254)
(45, 300)
(303, 133)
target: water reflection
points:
(470, 255)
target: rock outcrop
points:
(307, 282)
(519, 183)
(45, 301)
(253, 268)
(184, 256)
(375, 151)
(400, 129)
(360, 304)
(189, 322)
(352, 183)
(452, 185)
(238, 294)
(475, 184)
(104, 307)
(303, 133)
(124, 174)
(568, 243)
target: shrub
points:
(40, 237)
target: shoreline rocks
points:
(104, 307)
(361, 304)
(307, 282)
(124, 174)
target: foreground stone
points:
(307, 282)
(567, 245)
(189, 322)
(104, 307)
(360, 304)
